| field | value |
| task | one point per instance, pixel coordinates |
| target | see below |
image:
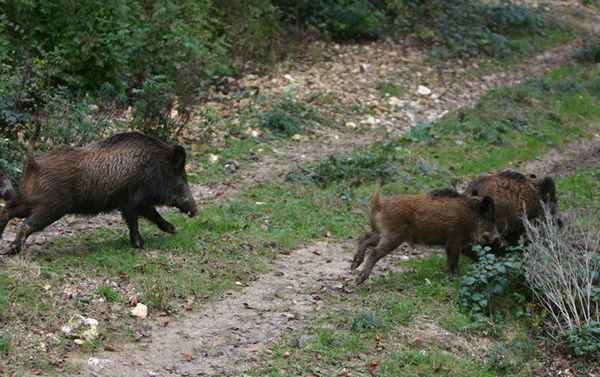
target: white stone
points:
(140, 311)
(423, 90)
(213, 158)
(395, 101)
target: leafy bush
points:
(253, 29)
(589, 53)
(490, 280)
(584, 340)
(127, 49)
(341, 19)
(463, 27)
(562, 267)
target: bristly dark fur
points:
(129, 137)
(129, 172)
(512, 175)
(444, 193)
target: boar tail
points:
(375, 201)
(30, 164)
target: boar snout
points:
(187, 204)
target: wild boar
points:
(441, 217)
(130, 172)
(516, 195)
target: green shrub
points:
(585, 340)
(379, 163)
(289, 116)
(464, 27)
(589, 53)
(253, 29)
(341, 19)
(122, 48)
(365, 321)
(490, 280)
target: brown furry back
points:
(444, 193)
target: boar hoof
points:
(361, 278)
(138, 244)
(13, 249)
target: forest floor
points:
(259, 284)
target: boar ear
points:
(547, 189)
(487, 207)
(178, 157)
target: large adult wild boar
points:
(130, 172)
(516, 195)
(442, 217)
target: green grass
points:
(5, 344)
(580, 190)
(108, 293)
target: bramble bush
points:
(492, 280)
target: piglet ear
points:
(178, 157)
(487, 207)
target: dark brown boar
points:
(442, 217)
(130, 172)
(515, 195)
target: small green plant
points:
(379, 163)
(5, 344)
(490, 279)
(365, 321)
(585, 340)
(158, 291)
(108, 293)
(510, 356)
(589, 53)
(391, 89)
(290, 116)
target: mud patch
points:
(583, 154)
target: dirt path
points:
(229, 335)
(581, 154)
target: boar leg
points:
(453, 250)
(9, 213)
(151, 214)
(34, 223)
(384, 247)
(131, 217)
(368, 240)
